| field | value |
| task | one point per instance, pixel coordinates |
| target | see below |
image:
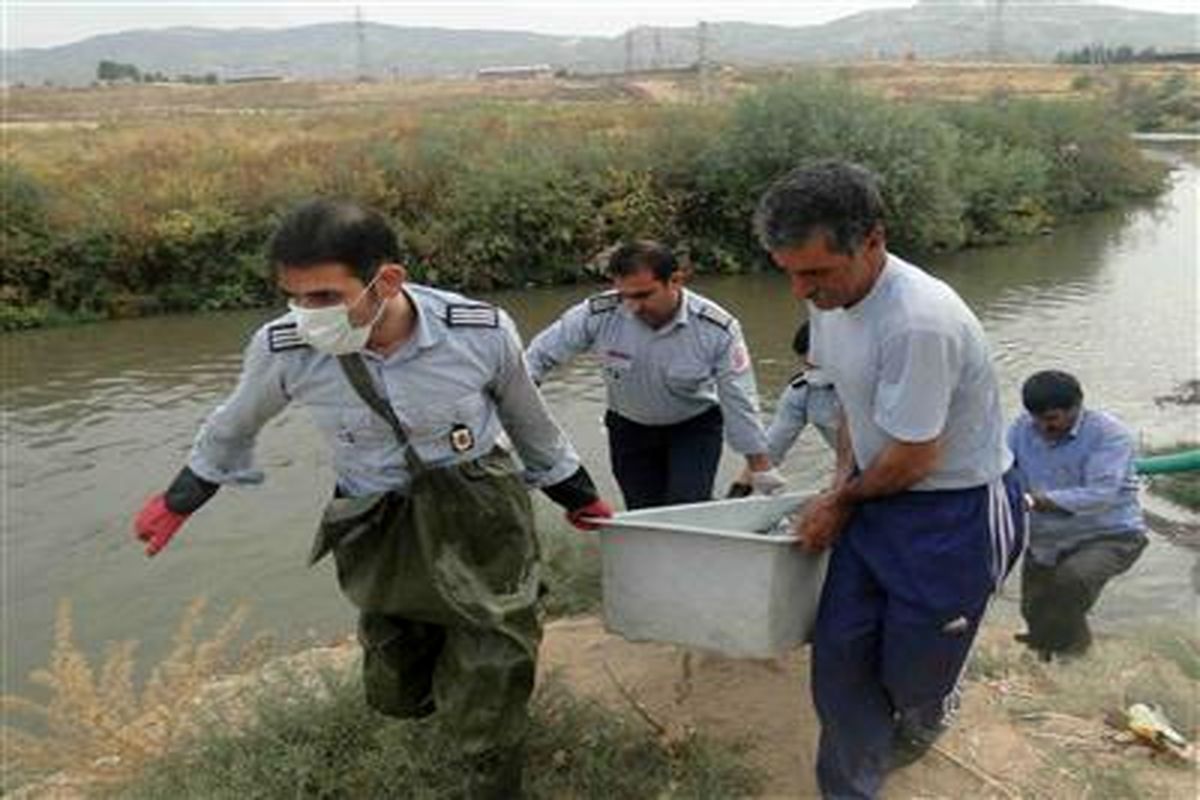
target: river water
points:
(98, 417)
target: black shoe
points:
(907, 750)
(1044, 653)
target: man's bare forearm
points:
(899, 467)
(845, 453)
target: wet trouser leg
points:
(399, 656)
(483, 683)
(1055, 599)
(694, 451)
(906, 587)
(479, 681)
(639, 457)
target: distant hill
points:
(945, 29)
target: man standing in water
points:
(1085, 524)
(923, 516)
(677, 374)
(431, 524)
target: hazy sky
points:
(44, 23)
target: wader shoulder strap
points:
(356, 372)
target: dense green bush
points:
(174, 217)
(791, 123)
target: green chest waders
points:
(451, 568)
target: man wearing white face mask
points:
(430, 525)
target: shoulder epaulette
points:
(603, 303)
(715, 316)
(472, 315)
(798, 380)
(284, 336)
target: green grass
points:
(1181, 488)
(338, 748)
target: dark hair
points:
(322, 231)
(838, 198)
(1050, 390)
(631, 257)
(800, 343)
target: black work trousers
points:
(661, 465)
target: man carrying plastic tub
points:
(1085, 523)
(677, 373)
(430, 524)
(808, 397)
(924, 515)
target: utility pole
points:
(360, 36)
(629, 51)
(702, 59)
(657, 63)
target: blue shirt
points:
(807, 399)
(1089, 473)
(665, 375)
(456, 385)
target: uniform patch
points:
(284, 336)
(740, 359)
(603, 303)
(716, 317)
(798, 380)
(461, 438)
(472, 316)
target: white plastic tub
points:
(703, 575)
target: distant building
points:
(1178, 57)
(250, 78)
(522, 72)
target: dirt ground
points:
(992, 751)
(1026, 729)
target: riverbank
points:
(156, 213)
(1026, 729)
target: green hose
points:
(1183, 461)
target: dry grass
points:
(95, 723)
(1066, 710)
(914, 80)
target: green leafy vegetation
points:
(140, 217)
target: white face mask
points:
(329, 329)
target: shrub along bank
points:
(139, 218)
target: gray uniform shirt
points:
(910, 363)
(809, 399)
(456, 383)
(661, 376)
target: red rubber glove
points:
(155, 524)
(597, 508)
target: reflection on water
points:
(98, 417)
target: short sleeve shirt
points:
(910, 363)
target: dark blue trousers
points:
(661, 465)
(907, 586)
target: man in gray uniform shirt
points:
(430, 524)
(677, 373)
